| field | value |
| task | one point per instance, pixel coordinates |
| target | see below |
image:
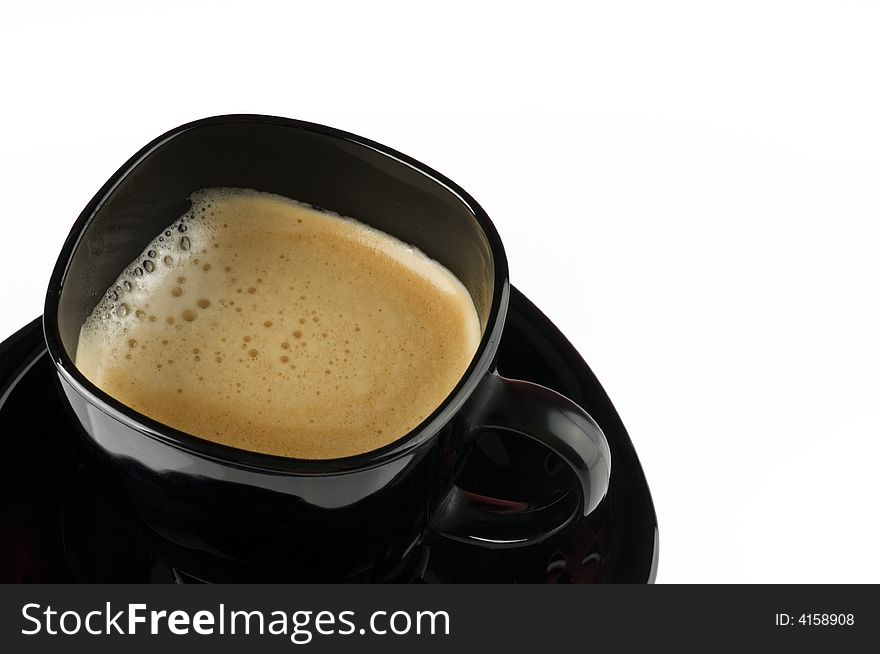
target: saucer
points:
(54, 527)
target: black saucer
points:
(55, 528)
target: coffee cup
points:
(230, 513)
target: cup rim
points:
(259, 461)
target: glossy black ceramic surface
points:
(56, 527)
(226, 513)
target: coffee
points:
(261, 323)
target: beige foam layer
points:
(273, 327)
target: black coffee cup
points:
(226, 513)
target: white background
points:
(689, 190)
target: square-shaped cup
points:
(224, 513)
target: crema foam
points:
(261, 323)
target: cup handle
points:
(557, 423)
